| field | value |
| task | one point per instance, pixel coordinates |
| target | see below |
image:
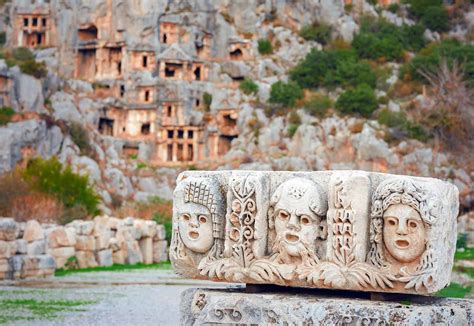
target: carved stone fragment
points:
(349, 230)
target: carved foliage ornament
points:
(339, 233)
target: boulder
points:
(62, 255)
(61, 237)
(146, 228)
(146, 247)
(104, 257)
(160, 232)
(8, 229)
(133, 254)
(86, 259)
(118, 257)
(21, 246)
(36, 248)
(7, 249)
(160, 253)
(85, 243)
(33, 231)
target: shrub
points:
(429, 59)
(265, 47)
(360, 100)
(373, 46)
(393, 7)
(248, 87)
(207, 99)
(351, 73)
(6, 115)
(292, 128)
(318, 32)
(436, 19)
(418, 7)
(73, 190)
(34, 68)
(402, 125)
(318, 105)
(22, 54)
(285, 94)
(294, 118)
(80, 137)
(3, 38)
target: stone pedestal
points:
(316, 307)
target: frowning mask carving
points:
(297, 207)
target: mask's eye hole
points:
(391, 222)
(283, 215)
(202, 219)
(186, 217)
(413, 224)
(305, 220)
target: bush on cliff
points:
(6, 115)
(318, 32)
(248, 87)
(285, 94)
(361, 101)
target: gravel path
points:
(141, 297)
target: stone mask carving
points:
(404, 233)
(401, 213)
(199, 216)
(297, 207)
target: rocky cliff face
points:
(117, 67)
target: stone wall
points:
(32, 249)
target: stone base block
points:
(236, 307)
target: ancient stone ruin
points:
(346, 230)
(343, 230)
(32, 249)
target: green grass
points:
(464, 253)
(113, 268)
(454, 290)
(30, 309)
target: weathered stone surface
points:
(62, 255)
(104, 257)
(21, 246)
(85, 243)
(350, 230)
(86, 259)
(33, 231)
(146, 247)
(206, 307)
(118, 257)
(36, 248)
(61, 237)
(8, 229)
(160, 232)
(160, 253)
(7, 249)
(132, 253)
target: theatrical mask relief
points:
(350, 230)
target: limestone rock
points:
(33, 231)
(8, 229)
(146, 248)
(7, 249)
(160, 253)
(350, 230)
(204, 307)
(36, 248)
(104, 257)
(85, 243)
(132, 252)
(86, 259)
(61, 237)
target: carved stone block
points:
(224, 307)
(349, 230)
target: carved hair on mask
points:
(401, 215)
(296, 210)
(199, 216)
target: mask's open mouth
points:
(292, 237)
(402, 244)
(193, 235)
